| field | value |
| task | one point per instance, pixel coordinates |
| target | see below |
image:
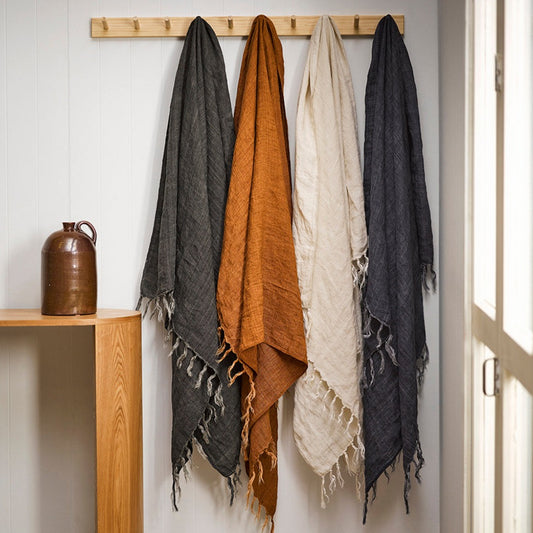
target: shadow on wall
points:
(49, 452)
(67, 453)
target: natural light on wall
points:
(485, 159)
(483, 448)
(517, 457)
(518, 171)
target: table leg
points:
(119, 497)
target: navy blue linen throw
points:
(400, 261)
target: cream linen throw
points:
(330, 240)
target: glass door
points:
(501, 288)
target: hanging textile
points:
(330, 240)
(258, 298)
(400, 257)
(181, 270)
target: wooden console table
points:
(117, 352)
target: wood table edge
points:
(34, 318)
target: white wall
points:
(453, 163)
(82, 125)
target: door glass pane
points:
(517, 457)
(483, 450)
(518, 172)
(484, 158)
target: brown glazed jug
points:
(68, 271)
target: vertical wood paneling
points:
(149, 115)
(233, 47)
(156, 421)
(84, 116)
(4, 235)
(22, 154)
(300, 481)
(82, 129)
(52, 116)
(159, 517)
(207, 7)
(147, 124)
(116, 166)
(5, 436)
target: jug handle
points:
(81, 223)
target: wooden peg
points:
(293, 22)
(136, 24)
(230, 23)
(167, 23)
(105, 25)
(356, 22)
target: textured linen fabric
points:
(330, 241)
(258, 297)
(181, 270)
(400, 257)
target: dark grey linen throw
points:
(181, 271)
(400, 260)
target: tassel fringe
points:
(354, 454)
(418, 461)
(359, 271)
(383, 349)
(429, 278)
(197, 369)
(252, 501)
(333, 479)
(182, 465)
(163, 305)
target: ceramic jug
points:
(68, 271)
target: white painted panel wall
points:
(454, 17)
(82, 128)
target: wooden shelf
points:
(33, 317)
(118, 381)
(295, 25)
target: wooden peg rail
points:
(293, 25)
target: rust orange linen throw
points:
(258, 296)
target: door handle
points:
(495, 377)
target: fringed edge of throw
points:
(236, 370)
(333, 479)
(163, 305)
(418, 461)
(177, 468)
(183, 465)
(257, 472)
(384, 347)
(421, 364)
(213, 383)
(215, 405)
(332, 401)
(429, 277)
(360, 271)
(234, 482)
